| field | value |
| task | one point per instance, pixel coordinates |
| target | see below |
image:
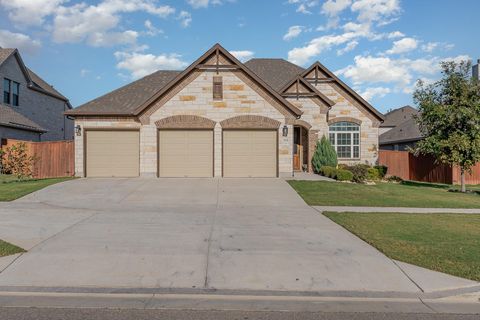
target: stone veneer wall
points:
(239, 98)
(346, 106)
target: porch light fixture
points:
(285, 131)
(78, 130)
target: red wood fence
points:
(53, 158)
(405, 165)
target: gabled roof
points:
(405, 132)
(301, 81)
(13, 119)
(275, 72)
(135, 109)
(395, 117)
(318, 67)
(34, 82)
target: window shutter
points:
(217, 88)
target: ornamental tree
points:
(449, 117)
(324, 155)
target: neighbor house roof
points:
(11, 118)
(406, 131)
(275, 72)
(395, 117)
(33, 80)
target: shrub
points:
(324, 155)
(360, 172)
(344, 175)
(382, 171)
(328, 171)
(373, 174)
(16, 161)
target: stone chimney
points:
(476, 70)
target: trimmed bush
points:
(344, 175)
(360, 172)
(328, 171)
(373, 174)
(324, 155)
(382, 171)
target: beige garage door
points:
(249, 153)
(186, 153)
(112, 153)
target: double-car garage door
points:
(183, 153)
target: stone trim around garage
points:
(346, 119)
(185, 122)
(250, 122)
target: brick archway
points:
(250, 122)
(185, 122)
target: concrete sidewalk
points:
(394, 209)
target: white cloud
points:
(185, 18)
(334, 7)
(20, 41)
(84, 72)
(242, 55)
(196, 4)
(349, 47)
(432, 46)
(151, 29)
(304, 6)
(139, 64)
(293, 32)
(395, 34)
(28, 12)
(372, 92)
(403, 45)
(375, 10)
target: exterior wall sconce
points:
(78, 130)
(285, 131)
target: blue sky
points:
(379, 47)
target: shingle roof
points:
(397, 116)
(275, 72)
(4, 54)
(406, 131)
(34, 81)
(128, 98)
(11, 118)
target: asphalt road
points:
(26, 313)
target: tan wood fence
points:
(405, 165)
(53, 158)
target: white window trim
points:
(352, 145)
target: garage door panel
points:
(250, 153)
(112, 153)
(186, 153)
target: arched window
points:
(345, 138)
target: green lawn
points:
(443, 242)
(383, 194)
(11, 189)
(7, 249)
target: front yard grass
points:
(447, 243)
(11, 188)
(383, 194)
(7, 249)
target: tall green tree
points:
(449, 117)
(324, 155)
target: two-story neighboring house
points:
(30, 108)
(223, 118)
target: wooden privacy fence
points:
(53, 158)
(405, 165)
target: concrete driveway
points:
(238, 234)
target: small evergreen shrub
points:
(373, 174)
(360, 172)
(328, 171)
(382, 171)
(324, 155)
(344, 175)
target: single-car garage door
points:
(249, 153)
(112, 153)
(185, 153)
